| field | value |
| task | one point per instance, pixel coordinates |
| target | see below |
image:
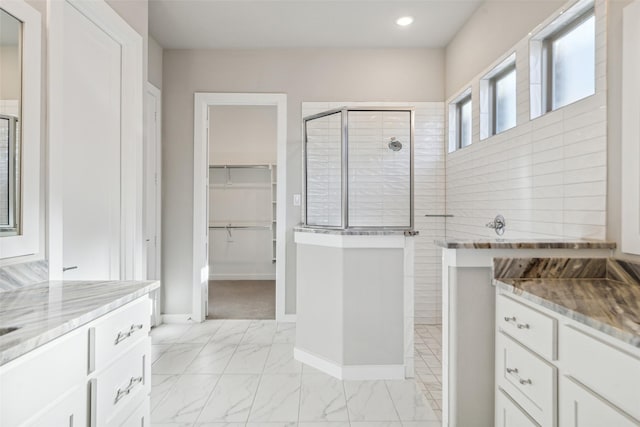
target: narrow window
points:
(570, 53)
(463, 108)
(503, 94)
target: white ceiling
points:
(227, 24)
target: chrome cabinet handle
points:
(512, 370)
(523, 326)
(75, 267)
(523, 382)
(122, 393)
(124, 335)
(510, 319)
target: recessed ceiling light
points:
(404, 21)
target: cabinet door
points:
(70, 411)
(508, 414)
(581, 408)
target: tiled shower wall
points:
(429, 185)
(546, 176)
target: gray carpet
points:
(242, 299)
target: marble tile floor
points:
(241, 373)
(428, 364)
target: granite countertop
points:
(356, 231)
(48, 310)
(524, 244)
(602, 293)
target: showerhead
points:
(394, 144)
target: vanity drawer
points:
(508, 414)
(118, 389)
(529, 380)
(611, 372)
(535, 330)
(113, 334)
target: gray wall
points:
(155, 63)
(304, 75)
(496, 26)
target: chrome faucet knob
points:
(498, 224)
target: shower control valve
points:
(498, 224)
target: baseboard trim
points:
(350, 372)
(177, 318)
(242, 277)
(286, 318)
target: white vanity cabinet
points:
(553, 371)
(96, 375)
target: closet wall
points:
(242, 192)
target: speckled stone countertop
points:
(602, 293)
(44, 313)
(524, 244)
(355, 231)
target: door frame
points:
(157, 95)
(202, 102)
(132, 119)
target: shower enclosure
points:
(358, 168)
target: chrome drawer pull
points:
(512, 370)
(523, 382)
(523, 326)
(132, 383)
(124, 335)
(510, 319)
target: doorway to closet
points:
(242, 211)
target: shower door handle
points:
(439, 216)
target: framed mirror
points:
(20, 103)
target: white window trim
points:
(487, 94)
(538, 56)
(454, 120)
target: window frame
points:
(458, 106)
(547, 57)
(493, 103)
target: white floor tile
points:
(369, 401)
(281, 361)
(186, 399)
(160, 386)
(176, 359)
(201, 332)
(260, 332)
(409, 401)
(324, 424)
(377, 424)
(231, 400)
(285, 424)
(158, 350)
(278, 399)
(286, 333)
(231, 331)
(248, 359)
(322, 399)
(213, 358)
(168, 333)
(422, 424)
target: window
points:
(563, 58)
(498, 98)
(503, 91)
(571, 59)
(464, 122)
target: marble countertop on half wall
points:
(356, 231)
(48, 310)
(602, 293)
(524, 244)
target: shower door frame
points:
(200, 274)
(344, 111)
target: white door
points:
(152, 149)
(91, 147)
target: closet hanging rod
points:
(239, 227)
(239, 166)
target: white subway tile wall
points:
(546, 176)
(324, 171)
(429, 189)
